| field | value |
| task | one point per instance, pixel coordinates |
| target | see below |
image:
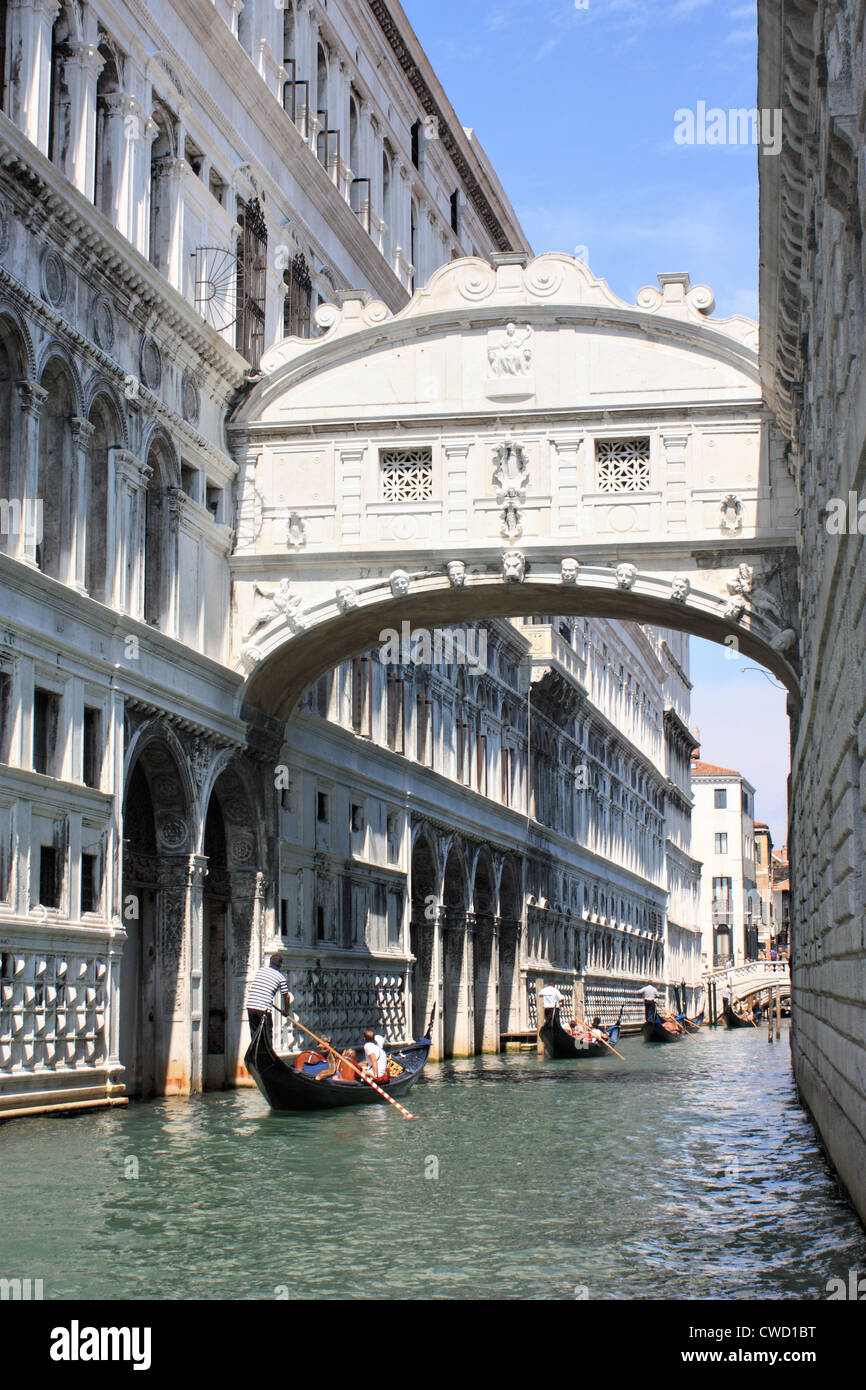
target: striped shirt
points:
(265, 984)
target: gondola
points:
(691, 1025)
(558, 1043)
(733, 1020)
(285, 1087)
(655, 1031)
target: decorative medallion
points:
(242, 850)
(173, 832)
(53, 279)
(150, 364)
(103, 323)
(190, 399)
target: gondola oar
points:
(293, 1018)
(588, 1026)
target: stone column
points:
(457, 984)
(673, 483)
(178, 930)
(176, 500)
(486, 975)
(81, 68)
(82, 434)
(244, 942)
(24, 472)
(125, 584)
(457, 488)
(565, 486)
(29, 58)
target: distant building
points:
(724, 840)
(764, 877)
(781, 890)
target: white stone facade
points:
(724, 842)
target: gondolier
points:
(551, 999)
(266, 983)
(649, 994)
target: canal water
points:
(685, 1172)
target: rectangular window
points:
(407, 475)
(721, 843)
(455, 212)
(464, 753)
(396, 713)
(747, 805)
(720, 798)
(424, 750)
(284, 916)
(320, 922)
(92, 747)
(623, 465)
(46, 713)
(322, 806)
(89, 891)
(362, 696)
(357, 819)
(49, 877)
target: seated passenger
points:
(376, 1057)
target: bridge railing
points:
(741, 973)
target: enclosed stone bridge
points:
(515, 441)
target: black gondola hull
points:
(733, 1020)
(654, 1031)
(284, 1088)
(559, 1044)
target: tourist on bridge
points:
(551, 999)
(266, 983)
(376, 1056)
(649, 994)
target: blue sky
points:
(576, 108)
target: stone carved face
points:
(347, 599)
(625, 576)
(569, 570)
(513, 566)
(456, 574)
(680, 588)
(399, 582)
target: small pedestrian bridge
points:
(750, 982)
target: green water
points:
(687, 1171)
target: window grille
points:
(407, 475)
(623, 465)
(252, 276)
(296, 308)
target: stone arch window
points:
(108, 149)
(13, 359)
(162, 154)
(157, 558)
(60, 133)
(106, 435)
(55, 490)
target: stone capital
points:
(32, 397)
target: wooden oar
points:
(293, 1018)
(588, 1026)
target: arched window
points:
(354, 136)
(12, 368)
(55, 490)
(162, 152)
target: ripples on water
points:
(685, 1172)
